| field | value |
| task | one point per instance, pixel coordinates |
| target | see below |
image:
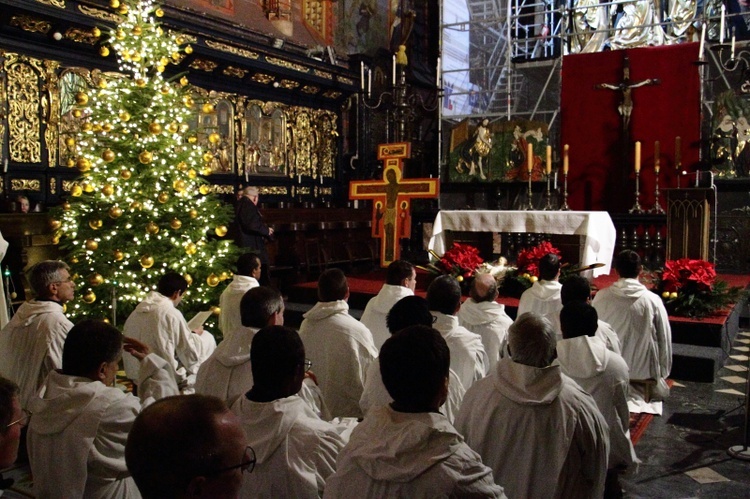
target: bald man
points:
(482, 315)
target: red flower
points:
(461, 259)
(678, 274)
(528, 259)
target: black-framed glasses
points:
(23, 420)
(308, 365)
(246, 466)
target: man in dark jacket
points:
(252, 231)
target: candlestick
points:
(362, 75)
(565, 206)
(657, 205)
(369, 82)
(393, 76)
(678, 157)
(566, 149)
(733, 40)
(721, 24)
(636, 209)
(656, 156)
(549, 160)
(529, 158)
(437, 72)
(637, 157)
(703, 42)
(548, 204)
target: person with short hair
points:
(31, 344)
(296, 450)
(12, 420)
(158, 323)
(409, 449)
(339, 346)
(603, 374)
(23, 203)
(640, 320)
(543, 297)
(246, 278)
(577, 288)
(252, 231)
(188, 446)
(408, 311)
(80, 422)
(541, 434)
(400, 281)
(468, 357)
(482, 315)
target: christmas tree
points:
(140, 207)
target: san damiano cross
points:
(391, 209)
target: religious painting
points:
(212, 125)
(730, 136)
(497, 152)
(265, 141)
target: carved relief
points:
(265, 141)
(72, 81)
(262, 78)
(51, 105)
(203, 65)
(289, 84)
(55, 3)
(332, 94)
(53, 185)
(25, 184)
(232, 49)
(23, 82)
(322, 74)
(99, 14)
(81, 36)
(30, 24)
(235, 72)
(286, 64)
(309, 89)
(275, 189)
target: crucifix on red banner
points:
(391, 209)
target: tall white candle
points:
(549, 160)
(733, 40)
(721, 24)
(566, 149)
(362, 75)
(437, 72)
(703, 42)
(529, 157)
(369, 82)
(637, 156)
(393, 77)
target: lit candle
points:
(677, 152)
(566, 149)
(637, 157)
(656, 156)
(549, 160)
(437, 72)
(721, 24)
(529, 157)
(703, 42)
(362, 75)
(393, 79)
(733, 40)
(369, 82)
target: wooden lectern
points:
(688, 221)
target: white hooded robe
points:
(341, 350)
(229, 302)
(397, 454)
(468, 358)
(543, 298)
(489, 320)
(377, 309)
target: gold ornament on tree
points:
(145, 157)
(76, 190)
(81, 98)
(125, 174)
(89, 297)
(108, 155)
(207, 108)
(108, 190)
(124, 116)
(83, 164)
(191, 248)
(221, 230)
(175, 224)
(193, 213)
(152, 228)
(91, 245)
(147, 261)
(212, 280)
(103, 51)
(155, 128)
(119, 255)
(179, 185)
(96, 279)
(96, 224)
(163, 197)
(115, 212)
(188, 278)
(54, 224)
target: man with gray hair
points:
(31, 344)
(528, 409)
(252, 231)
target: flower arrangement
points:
(461, 261)
(527, 272)
(690, 288)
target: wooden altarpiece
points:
(688, 222)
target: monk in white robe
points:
(157, 323)
(577, 288)
(541, 434)
(295, 450)
(482, 315)
(80, 422)
(640, 320)
(339, 346)
(601, 373)
(468, 358)
(409, 311)
(246, 278)
(31, 344)
(543, 297)
(409, 449)
(400, 281)
(227, 373)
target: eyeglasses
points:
(246, 466)
(308, 365)
(69, 279)
(23, 420)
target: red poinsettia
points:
(685, 272)
(461, 259)
(528, 259)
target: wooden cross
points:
(391, 210)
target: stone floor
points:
(684, 452)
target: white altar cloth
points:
(595, 227)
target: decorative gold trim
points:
(53, 185)
(309, 89)
(25, 184)
(289, 84)
(232, 49)
(81, 36)
(222, 189)
(24, 75)
(325, 191)
(276, 189)
(60, 4)
(30, 24)
(303, 191)
(332, 94)
(344, 79)
(52, 111)
(262, 78)
(67, 185)
(186, 38)
(204, 65)
(286, 64)
(322, 74)
(235, 72)
(99, 14)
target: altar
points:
(595, 228)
